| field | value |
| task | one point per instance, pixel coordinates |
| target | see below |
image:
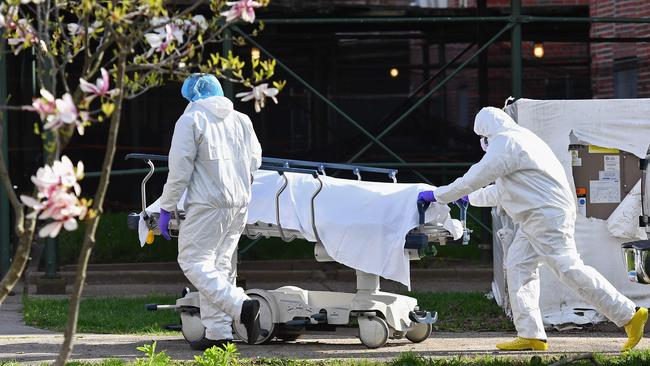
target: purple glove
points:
(163, 223)
(462, 201)
(427, 196)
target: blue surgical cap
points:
(200, 86)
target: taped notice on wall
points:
(609, 175)
(575, 159)
(604, 191)
(612, 163)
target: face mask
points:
(484, 143)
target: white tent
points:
(622, 124)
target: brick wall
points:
(605, 55)
(506, 3)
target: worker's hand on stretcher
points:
(430, 196)
(163, 223)
(427, 196)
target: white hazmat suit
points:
(213, 155)
(532, 188)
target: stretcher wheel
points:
(191, 326)
(266, 322)
(373, 331)
(419, 332)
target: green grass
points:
(219, 357)
(117, 244)
(102, 315)
(456, 312)
(459, 311)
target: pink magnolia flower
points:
(63, 208)
(24, 36)
(69, 175)
(197, 22)
(45, 105)
(57, 199)
(77, 29)
(160, 40)
(100, 88)
(8, 17)
(56, 112)
(200, 21)
(259, 93)
(244, 9)
(65, 114)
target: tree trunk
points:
(19, 262)
(25, 235)
(91, 227)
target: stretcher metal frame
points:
(289, 311)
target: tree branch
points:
(5, 179)
(91, 227)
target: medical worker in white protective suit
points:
(531, 186)
(213, 155)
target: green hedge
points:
(117, 244)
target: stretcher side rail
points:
(355, 169)
(288, 163)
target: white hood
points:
(221, 107)
(491, 121)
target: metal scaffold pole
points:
(5, 219)
(515, 55)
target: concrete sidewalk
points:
(11, 319)
(342, 345)
(30, 345)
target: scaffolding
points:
(509, 25)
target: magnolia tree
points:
(90, 57)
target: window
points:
(625, 77)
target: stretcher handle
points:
(422, 210)
(143, 188)
(463, 206)
(277, 208)
(313, 208)
(145, 157)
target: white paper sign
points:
(612, 163)
(575, 160)
(604, 191)
(609, 175)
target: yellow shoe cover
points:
(523, 344)
(634, 329)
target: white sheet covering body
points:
(361, 224)
(622, 124)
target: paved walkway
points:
(30, 345)
(343, 345)
(11, 319)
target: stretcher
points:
(289, 311)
